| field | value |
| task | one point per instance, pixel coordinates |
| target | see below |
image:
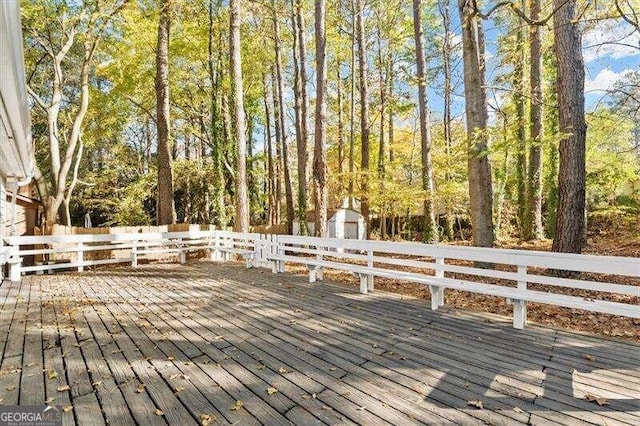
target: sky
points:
(610, 50)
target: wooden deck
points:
(174, 344)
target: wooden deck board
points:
(203, 336)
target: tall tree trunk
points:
(430, 228)
(302, 106)
(217, 125)
(352, 112)
(340, 124)
(570, 217)
(320, 145)
(364, 114)
(241, 222)
(533, 223)
(166, 206)
(278, 159)
(519, 99)
(270, 183)
(280, 119)
(382, 83)
(447, 52)
(390, 113)
(480, 188)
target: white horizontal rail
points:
(433, 265)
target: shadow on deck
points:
(211, 341)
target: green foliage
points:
(613, 165)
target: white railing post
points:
(370, 284)
(183, 251)
(80, 256)
(134, 254)
(215, 252)
(440, 289)
(519, 305)
(281, 251)
(15, 264)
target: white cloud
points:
(613, 40)
(604, 80)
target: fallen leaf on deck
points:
(98, 383)
(326, 407)
(283, 370)
(272, 390)
(237, 406)
(361, 408)
(261, 366)
(159, 412)
(518, 410)
(207, 419)
(598, 400)
(333, 368)
(52, 375)
(67, 408)
(140, 388)
(589, 357)
(476, 403)
(10, 388)
(64, 388)
(219, 337)
(171, 358)
(48, 401)
(179, 389)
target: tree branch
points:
(37, 98)
(516, 9)
(624, 16)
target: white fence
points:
(517, 275)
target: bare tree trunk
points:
(340, 124)
(241, 223)
(570, 218)
(302, 106)
(352, 112)
(217, 127)
(320, 145)
(270, 169)
(430, 228)
(278, 159)
(383, 104)
(280, 119)
(480, 188)
(533, 224)
(447, 52)
(519, 99)
(166, 206)
(74, 181)
(364, 114)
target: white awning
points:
(16, 146)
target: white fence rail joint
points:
(518, 275)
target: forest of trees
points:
(444, 119)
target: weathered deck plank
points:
(204, 336)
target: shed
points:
(343, 223)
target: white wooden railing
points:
(518, 276)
